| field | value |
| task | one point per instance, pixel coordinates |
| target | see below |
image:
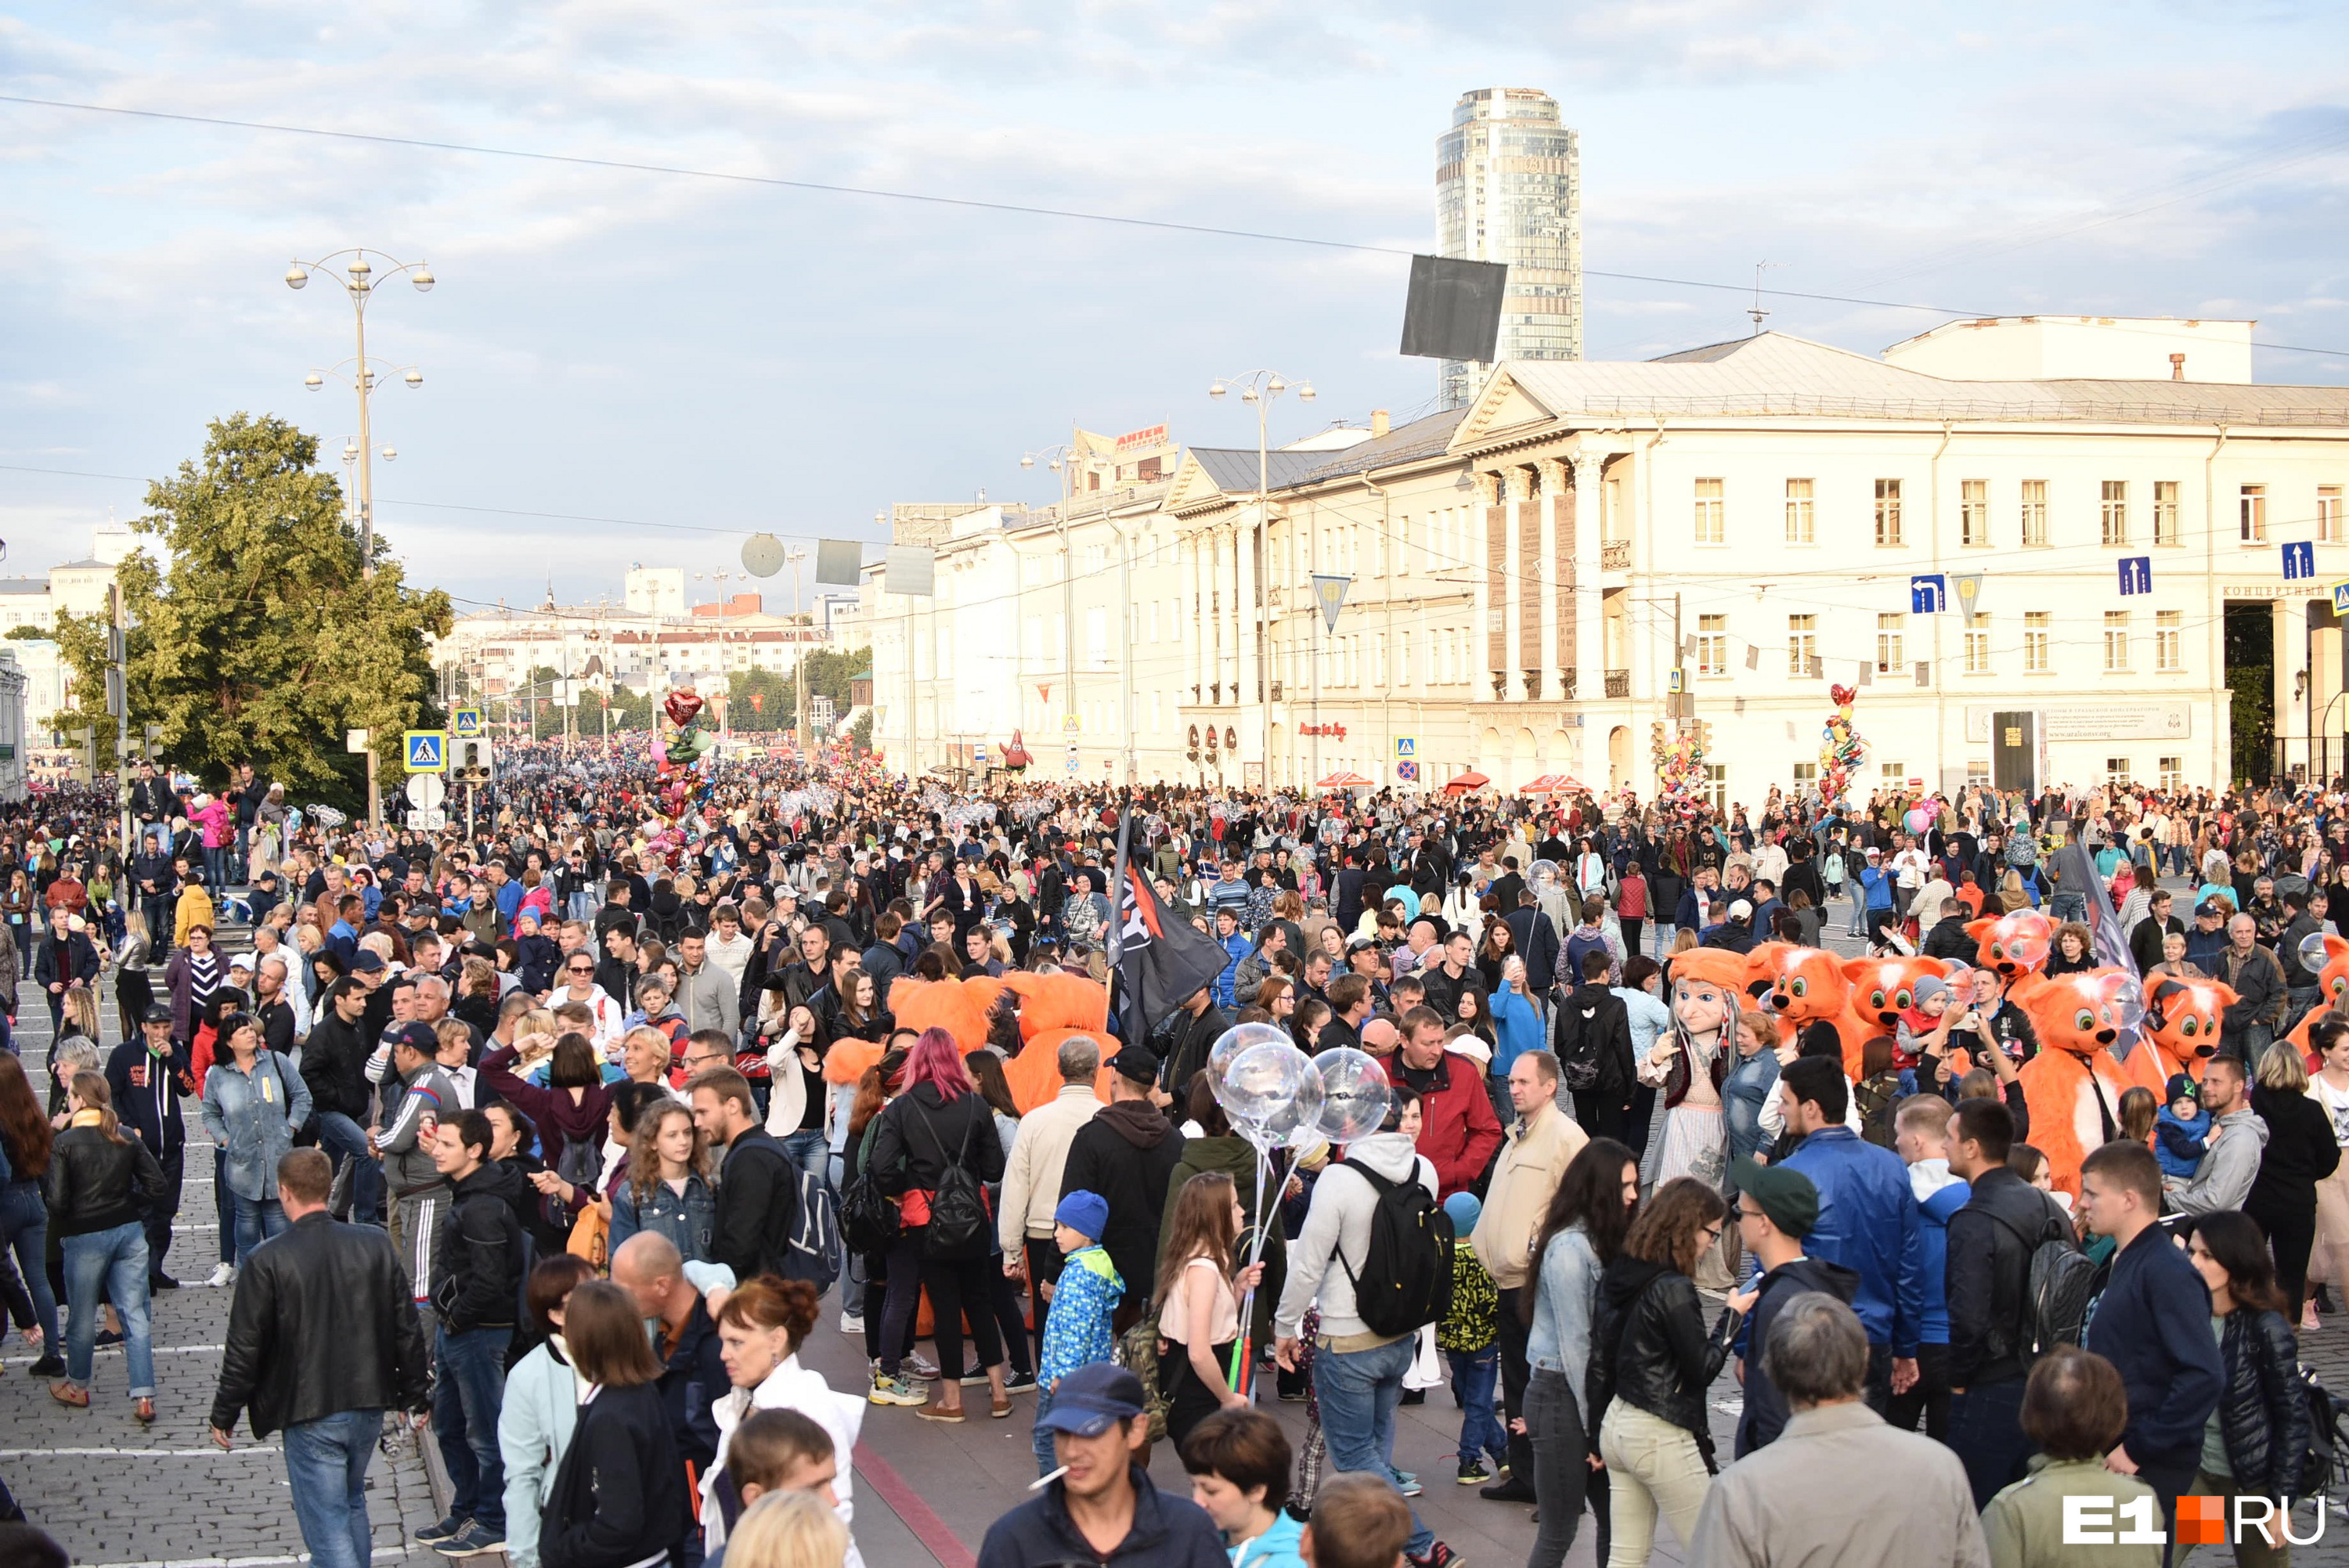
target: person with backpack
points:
(1594, 1051)
(254, 1101)
(1376, 1252)
(936, 1143)
(760, 1186)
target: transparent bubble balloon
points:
(1262, 1083)
(2312, 956)
(1542, 873)
(2128, 1005)
(1233, 1041)
(1355, 1096)
(2125, 1041)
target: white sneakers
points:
(852, 1322)
(222, 1276)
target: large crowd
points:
(562, 1134)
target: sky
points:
(607, 349)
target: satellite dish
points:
(762, 555)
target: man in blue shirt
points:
(1869, 1221)
(1236, 947)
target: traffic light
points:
(469, 761)
(1704, 735)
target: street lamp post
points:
(361, 288)
(1260, 387)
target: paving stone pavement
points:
(112, 1493)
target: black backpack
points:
(1408, 1261)
(2057, 1290)
(1578, 1043)
(960, 1227)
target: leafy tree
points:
(828, 674)
(758, 700)
(256, 636)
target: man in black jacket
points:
(1126, 1153)
(1594, 1048)
(1991, 1241)
(145, 1077)
(1195, 1027)
(1948, 938)
(478, 1259)
(758, 1185)
(333, 1067)
(323, 1338)
(2145, 939)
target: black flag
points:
(1160, 962)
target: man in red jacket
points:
(1458, 1130)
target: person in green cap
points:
(1776, 1209)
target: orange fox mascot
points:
(1051, 1008)
(2181, 1021)
(2013, 945)
(1881, 990)
(2332, 990)
(2074, 1086)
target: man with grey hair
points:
(1900, 1497)
(1032, 1173)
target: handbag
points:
(591, 1237)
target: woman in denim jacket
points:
(668, 1188)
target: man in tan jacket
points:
(1540, 1146)
(1031, 1174)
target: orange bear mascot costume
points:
(2181, 1021)
(2013, 945)
(1051, 1008)
(2074, 1085)
(1881, 990)
(1805, 989)
(2332, 990)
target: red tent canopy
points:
(1463, 783)
(1343, 781)
(1555, 784)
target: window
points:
(2116, 657)
(2173, 775)
(1403, 658)
(2034, 514)
(1974, 512)
(1977, 774)
(1708, 504)
(1888, 643)
(2164, 513)
(2112, 516)
(1097, 638)
(2252, 513)
(2328, 514)
(1978, 647)
(2116, 771)
(1802, 643)
(2036, 627)
(1887, 511)
(1807, 775)
(1716, 785)
(1378, 659)
(1712, 644)
(1799, 519)
(1893, 774)
(2170, 640)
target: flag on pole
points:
(1158, 961)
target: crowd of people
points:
(558, 1136)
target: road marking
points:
(145, 1454)
(117, 1350)
(919, 1516)
(382, 1555)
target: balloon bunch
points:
(1841, 750)
(1679, 766)
(1277, 1097)
(679, 744)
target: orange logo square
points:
(2202, 1522)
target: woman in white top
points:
(759, 1330)
(2329, 1086)
(1200, 1280)
(541, 1407)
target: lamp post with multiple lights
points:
(1260, 387)
(361, 286)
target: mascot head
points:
(2181, 1019)
(1708, 987)
(1800, 985)
(1883, 988)
(2079, 1013)
(2013, 944)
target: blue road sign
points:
(427, 750)
(2137, 574)
(2341, 601)
(1929, 594)
(2299, 561)
(465, 723)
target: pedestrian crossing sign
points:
(2340, 600)
(465, 723)
(426, 750)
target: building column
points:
(1509, 490)
(1589, 650)
(1251, 660)
(1491, 604)
(1556, 658)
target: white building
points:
(82, 587)
(14, 740)
(1528, 575)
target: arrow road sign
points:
(2299, 561)
(2137, 574)
(1929, 594)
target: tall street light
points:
(361, 286)
(1260, 387)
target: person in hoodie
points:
(1239, 1463)
(145, 1075)
(477, 1263)
(1776, 1208)
(1357, 1374)
(1920, 1136)
(1127, 1153)
(2236, 1138)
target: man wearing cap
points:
(146, 1076)
(1776, 1208)
(1876, 888)
(426, 1097)
(1103, 1507)
(1126, 1152)
(1736, 932)
(2206, 943)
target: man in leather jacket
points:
(1991, 1240)
(333, 1067)
(323, 1338)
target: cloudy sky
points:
(723, 356)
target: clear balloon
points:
(1283, 1066)
(1542, 873)
(2128, 1005)
(1262, 1083)
(1233, 1041)
(1355, 1096)
(2312, 956)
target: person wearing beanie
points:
(1084, 1299)
(1776, 1208)
(1923, 1031)
(1469, 1338)
(2182, 1132)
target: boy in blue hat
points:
(1077, 1330)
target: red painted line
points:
(919, 1516)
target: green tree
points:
(256, 636)
(758, 700)
(828, 674)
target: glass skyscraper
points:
(1508, 187)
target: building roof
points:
(24, 584)
(1773, 373)
(1233, 468)
(88, 563)
(1422, 437)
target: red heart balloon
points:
(681, 706)
(1842, 695)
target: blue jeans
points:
(257, 1220)
(113, 1262)
(468, 1387)
(809, 1152)
(344, 1138)
(1047, 1461)
(24, 1226)
(216, 867)
(1359, 1390)
(2068, 906)
(326, 1466)
(1473, 1374)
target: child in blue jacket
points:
(1077, 1331)
(2182, 1130)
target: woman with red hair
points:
(940, 1123)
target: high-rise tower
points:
(1508, 187)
